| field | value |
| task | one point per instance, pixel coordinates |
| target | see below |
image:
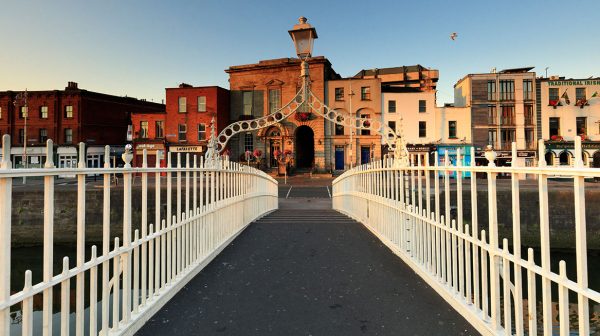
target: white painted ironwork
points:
(142, 269)
(305, 97)
(472, 267)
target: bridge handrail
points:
(134, 275)
(470, 263)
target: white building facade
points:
(570, 108)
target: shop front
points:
(421, 153)
(36, 157)
(452, 151)
(152, 150)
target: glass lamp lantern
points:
(303, 35)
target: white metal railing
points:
(123, 285)
(483, 277)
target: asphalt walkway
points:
(307, 270)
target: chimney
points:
(72, 86)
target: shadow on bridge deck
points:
(307, 270)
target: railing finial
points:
(6, 164)
(49, 154)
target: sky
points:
(138, 48)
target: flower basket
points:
(584, 137)
(554, 102)
(303, 116)
(257, 153)
(581, 103)
(556, 138)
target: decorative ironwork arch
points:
(305, 97)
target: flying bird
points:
(453, 36)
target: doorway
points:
(339, 157)
(305, 147)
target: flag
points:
(594, 95)
(565, 96)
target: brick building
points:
(262, 88)
(184, 127)
(67, 117)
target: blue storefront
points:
(465, 153)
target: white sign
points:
(176, 149)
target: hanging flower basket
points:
(581, 103)
(584, 137)
(556, 138)
(257, 153)
(367, 123)
(276, 153)
(303, 116)
(554, 103)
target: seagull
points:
(453, 36)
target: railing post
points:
(493, 243)
(106, 242)
(144, 227)
(545, 243)
(80, 283)
(5, 235)
(48, 239)
(126, 257)
(516, 215)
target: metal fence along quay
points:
(121, 284)
(482, 274)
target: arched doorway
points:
(305, 147)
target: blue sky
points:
(137, 48)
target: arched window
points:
(549, 158)
(564, 158)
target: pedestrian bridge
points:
(399, 250)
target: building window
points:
(23, 112)
(182, 132)
(553, 96)
(69, 111)
(201, 132)
(554, 127)
(365, 93)
(491, 90)
(492, 137)
(68, 135)
(247, 100)
(143, 129)
(201, 103)
(422, 129)
(527, 89)
(392, 125)
(452, 129)
(182, 104)
(529, 140)
(365, 131)
(580, 97)
(581, 125)
(43, 135)
(422, 106)
(339, 94)
(392, 106)
(44, 112)
(248, 142)
(274, 100)
(507, 89)
(492, 115)
(507, 137)
(339, 129)
(159, 129)
(21, 135)
(508, 115)
(528, 114)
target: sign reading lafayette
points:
(187, 149)
(574, 82)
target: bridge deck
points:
(307, 270)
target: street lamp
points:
(303, 35)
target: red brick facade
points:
(199, 105)
(68, 117)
